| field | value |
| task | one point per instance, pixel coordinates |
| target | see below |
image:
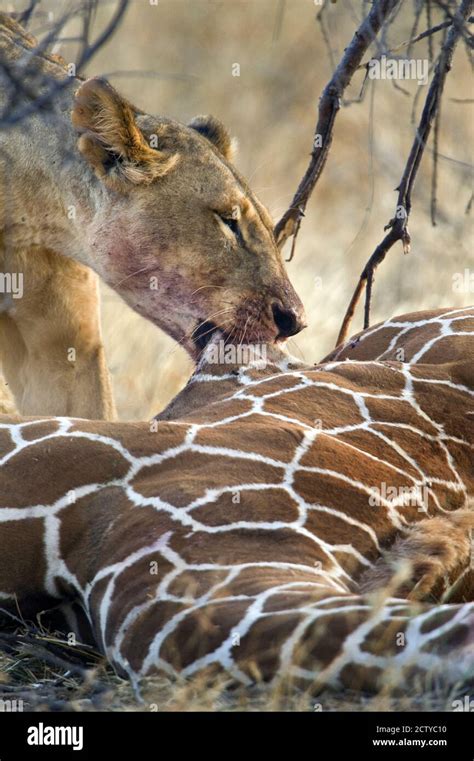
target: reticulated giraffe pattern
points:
(277, 520)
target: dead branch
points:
(422, 36)
(416, 21)
(397, 227)
(329, 105)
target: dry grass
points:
(47, 673)
(44, 688)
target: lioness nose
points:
(287, 320)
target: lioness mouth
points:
(203, 334)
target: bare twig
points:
(321, 19)
(397, 227)
(429, 24)
(329, 105)
(469, 40)
(418, 10)
(434, 174)
(24, 17)
(422, 36)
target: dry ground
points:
(47, 676)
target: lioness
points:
(154, 207)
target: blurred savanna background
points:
(178, 58)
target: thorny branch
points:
(397, 227)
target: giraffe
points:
(277, 521)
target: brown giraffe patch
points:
(38, 429)
(251, 582)
(6, 443)
(271, 386)
(384, 639)
(449, 498)
(413, 342)
(200, 473)
(446, 643)
(427, 453)
(358, 677)
(129, 535)
(260, 663)
(374, 379)
(370, 443)
(282, 601)
(107, 538)
(465, 324)
(326, 450)
(351, 376)
(148, 623)
(334, 529)
(438, 618)
(323, 639)
(196, 583)
(266, 505)
(325, 489)
(351, 565)
(85, 522)
(314, 404)
(447, 407)
(220, 410)
(22, 559)
(140, 440)
(384, 410)
(55, 467)
(364, 350)
(449, 350)
(202, 631)
(254, 434)
(238, 546)
(438, 373)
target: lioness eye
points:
(232, 224)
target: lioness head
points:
(176, 230)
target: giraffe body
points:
(278, 521)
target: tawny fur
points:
(429, 555)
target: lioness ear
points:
(110, 139)
(216, 133)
